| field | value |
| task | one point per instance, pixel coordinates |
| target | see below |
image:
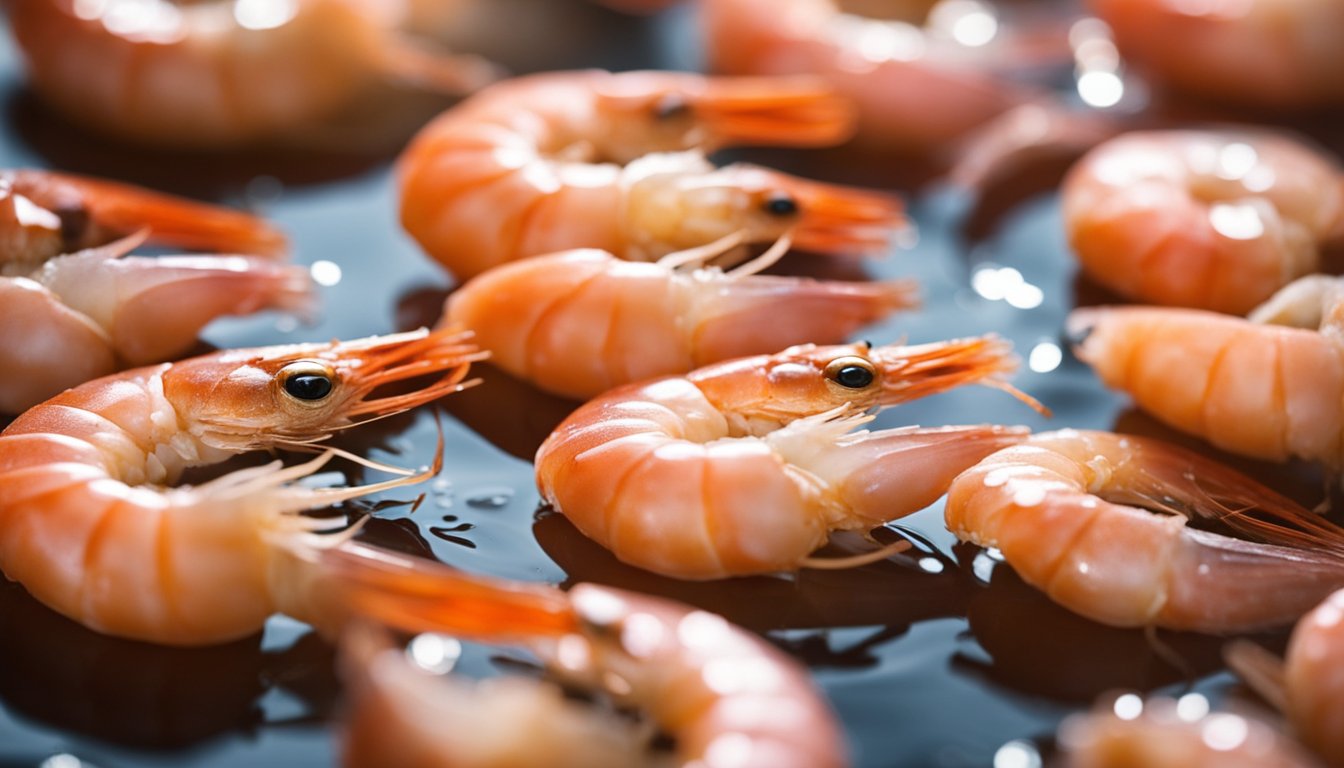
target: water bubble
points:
(490, 498)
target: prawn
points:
(222, 73)
(923, 74)
(67, 317)
(1168, 733)
(1306, 685)
(566, 160)
(578, 323)
(1268, 387)
(745, 466)
(1276, 54)
(1207, 219)
(1058, 507)
(725, 696)
(91, 526)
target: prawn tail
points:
(159, 305)
(1184, 482)
(414, 594)
(887, 474)
(120, 209)
(774, 111)
(741, 316)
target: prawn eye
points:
(851, 372)
(306, 381)
(780, 205)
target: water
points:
(940, 657)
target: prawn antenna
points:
(854, 561)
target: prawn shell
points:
(1203, 373)
(1045, 506)
(680, 506)
(202, 88)
(1314, 678)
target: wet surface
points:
(937, 657)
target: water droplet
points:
(996, 478)
(1045, 357)
(441, 485)
(931, 565)
(1192, 707)
(1017, 754)
(443, 502)
(434, 653)
(490, 498)
(1029, 497)
(1128, 706)
(325, 273)
(983, 566)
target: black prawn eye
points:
(854, 377)
(780, 205)
(308, 386)
(307, 381)
(851, 372)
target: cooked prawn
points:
(1307, 685)
(1058, 508)
(592, 159)
(578, 323)
(67, 317)
(1252, 387)
(726, 697)
(745, 466)
(1260, 53)
(219, 73)
(1208, 219)
(1162, 732)
(91, 527)
(923, 73)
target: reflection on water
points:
(141, 696)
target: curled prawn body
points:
(1058, 507)
(91, 526)
(222, 72)
(922, 73)
(1259, 53)
(1162, 733)
(1270, 387)
(746, 466)
(724, 696)
(1207, 219)
(74, 306)
(1313, 685)
(593, 159)
(578, 323)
